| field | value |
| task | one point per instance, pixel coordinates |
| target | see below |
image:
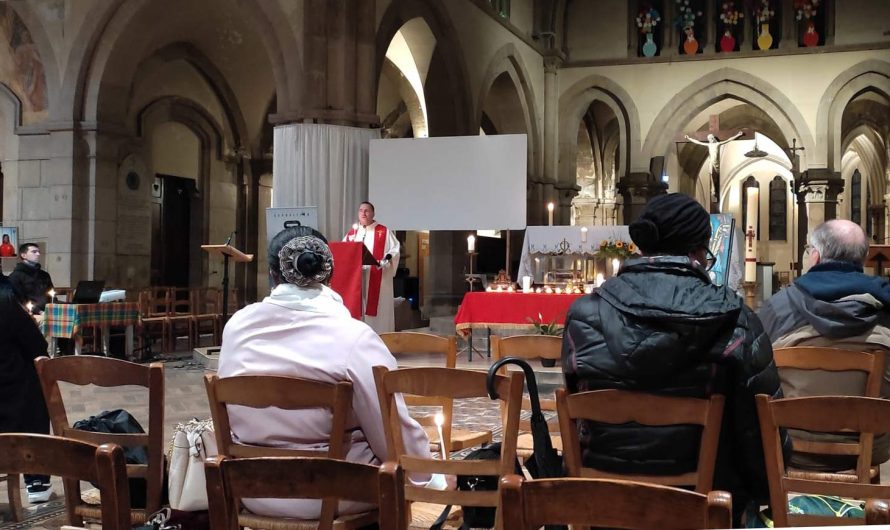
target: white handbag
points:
(193, 442)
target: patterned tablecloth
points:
(67, 320)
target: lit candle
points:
(584, 234)
(558, 290)
(489, 289)
(550, 214)
(526, 283)
(600, 279)
(440, 420)
(471, 244)
(52, 296)
(510, 289)
(538, 290)
(548, 290)
(615, 266)
(29, 306)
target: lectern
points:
(347, 281)
(877, 256)
(227, 251)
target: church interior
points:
(134, 133)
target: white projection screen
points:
(449, 183)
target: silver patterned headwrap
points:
(291, 252)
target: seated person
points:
(302, 329)
(834, 305)
(661, 326)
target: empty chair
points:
(454, 384)
(104, 372)
(531, 347)
(443, 351)
(530, 504)
(300, 478)
(866, 416)
(73, 460)
(621, 407)
(813, 371)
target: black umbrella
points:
(545, 461)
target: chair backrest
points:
(454, 384)
(867, 416)
(529, 347)
(154, 302)
(835, 360)
(207, 300)
(180, 301)
(288, 393)
(84, 370)
(444, 352)
(299, 478)
(103, 465)
(530, 504)
(621, 406)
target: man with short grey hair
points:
(833, 305)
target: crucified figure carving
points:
(714, 149)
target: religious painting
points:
(9, 242)
(21, 67)
(722, 225)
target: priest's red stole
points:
(376, 276)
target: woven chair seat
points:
(93, 498)
(344, 522)
(840, 476)
(424, 514)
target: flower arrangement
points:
(805, 9)
(545, 329)
(687, 14)
(763, 12)
(648, 18)
(729, 14)
(616, 249)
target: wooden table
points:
(68, 321)
(510, 310)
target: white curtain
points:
(325, 166)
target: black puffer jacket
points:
(662, 327)
(32, 283)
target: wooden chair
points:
(105, 372)
(299, 478)
(181, 319)
(207, 307)
(454, 384)
(832, 360)
(620, 406)
(531, 347)
(154, 310)
(288, 393)
(403, 343)
(877, 511)
(14, 492)
(103, 465)
(530, 504)
(866, 416)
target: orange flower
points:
(619, 244)
(631, 247)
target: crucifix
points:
(793, 154)
(711, 140)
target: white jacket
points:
(308, 333)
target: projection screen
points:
(449, 183)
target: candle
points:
(599, 279)
(615, 266)
(550, 214)
(526, 284)
(538, 290)
(440, 420)
(52, 296)
(548, 290)
(584, 234)
(471, 244)
(30, 306)
(558, 290)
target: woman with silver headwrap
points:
(303, 330)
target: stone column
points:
(564, 195)
(636, 189)
(820, 189)
(552, 61)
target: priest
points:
(377, 294)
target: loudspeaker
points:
(656, 167)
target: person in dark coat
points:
(22, 407)
(29, 279)
(661, 326)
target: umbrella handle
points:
(530, 380)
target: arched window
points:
(856, 197)
(778, 209)
(750, 182)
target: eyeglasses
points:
(711, 260)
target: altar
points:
(555, 248)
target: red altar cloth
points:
(488, 309)
(347, 279)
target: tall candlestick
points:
(753, 195)
(550, 214)
(615, 266)
(471, 243)
(584, 234)
(526, 284)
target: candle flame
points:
(439, 419)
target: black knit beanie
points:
(671, 224)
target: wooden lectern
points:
(349, 257)
(876, 257)
(227, 251)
